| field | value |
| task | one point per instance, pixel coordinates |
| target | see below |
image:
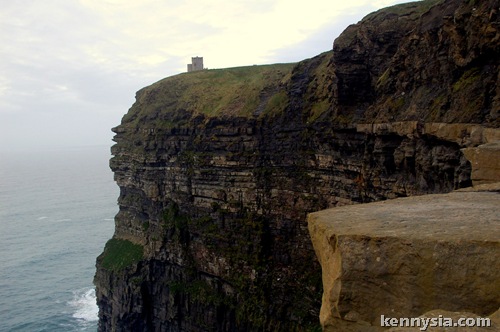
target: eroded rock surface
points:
(485, 161)
(404, 257)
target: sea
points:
(57, 208)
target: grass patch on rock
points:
(119, 254)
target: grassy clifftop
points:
(241, 91)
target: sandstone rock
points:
(403, 128)
(404, 257)
(464, 134)
(485, 161)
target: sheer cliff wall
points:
(218, 169)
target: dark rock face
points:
(434, 62)
(219, 202)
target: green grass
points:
(276, 103)
(318, 109)
(238, 91)
(318, 90)
(469, 78)
(233, 91)
(119, 254)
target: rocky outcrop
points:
(404, 257)
(485, 160)
(218, 169)
(442, 65)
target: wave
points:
(84, 305)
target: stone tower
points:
(196, 64)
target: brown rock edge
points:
(408, 256)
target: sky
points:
(70, 68)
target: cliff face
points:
(217, 169)
(444, 68)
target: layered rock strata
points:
(404, 257)
(218, 169)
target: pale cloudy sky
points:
(70, 68)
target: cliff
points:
(218, 169)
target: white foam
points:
(85, 305)
(41, 218)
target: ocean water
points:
(56, 214)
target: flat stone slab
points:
(408, 256)
(459, 215)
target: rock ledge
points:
(407, 256)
